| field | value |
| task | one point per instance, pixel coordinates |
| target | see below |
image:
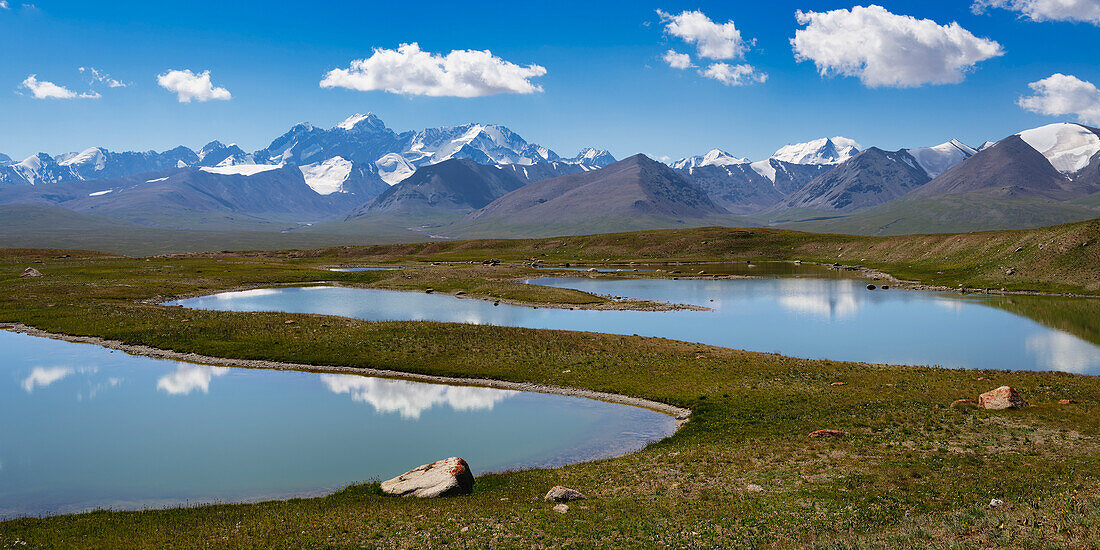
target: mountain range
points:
(362, 178)
(359, 155)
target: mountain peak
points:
(361, 123)
(714, 157)
(591, 156)
(940, 158)
(1069, 147)
(832, 150)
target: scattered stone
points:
(1003, 397)
(826, 433)
(1066, 401)
(982, 379)
(289, 322)
(1010, 271)
(563, 494)
(871, 287)
(996, 503)
(442, 478)
(30, 272)
(964, 404)
(460, 293)
(464, 529)
(885, 287)
(592, 270)
(560, 508)
(839, 384)
(429, 290)
(754, 488)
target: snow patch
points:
(393, 168)
(327, 177)
(241, 169)
(156, 180)
(764, 168)
(1068, 147)
(99, 193)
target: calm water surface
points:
(802, 317)
(86, 427)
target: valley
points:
(737, 455)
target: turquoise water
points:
(86, 427)
(802, 317)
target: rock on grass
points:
(1003, 397)
(442, 478)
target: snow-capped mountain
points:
(1057, 161)
(940, 158)
(833, 150)
(4, 160)
(380, 155)
(92, 164)
(1068, 147)
(360, 155)
(714, 157)
(591, 158)
(35, 169)
(742, 186)
(217, 154)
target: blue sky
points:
(606, 83)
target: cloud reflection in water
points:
(188, 378)
(1061, 351)
(412, 398)
(41, 377)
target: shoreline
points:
(680, 414)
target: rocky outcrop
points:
(442, 478)
(31, 272)
(563, 494)
(1003, 397)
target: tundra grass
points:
(911, 471)
(1062, 258)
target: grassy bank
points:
(1061, 258)
(911, 470)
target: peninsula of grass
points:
(911, 470)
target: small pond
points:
(832, 318)
(86, 427)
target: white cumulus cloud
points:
(885, 49)
(42, 89)
(189, 86)
(1063, 94)
(408, 70)
(713, 41)
(677, 60)
(733, 75)
(4, 5)
(1087, 11)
